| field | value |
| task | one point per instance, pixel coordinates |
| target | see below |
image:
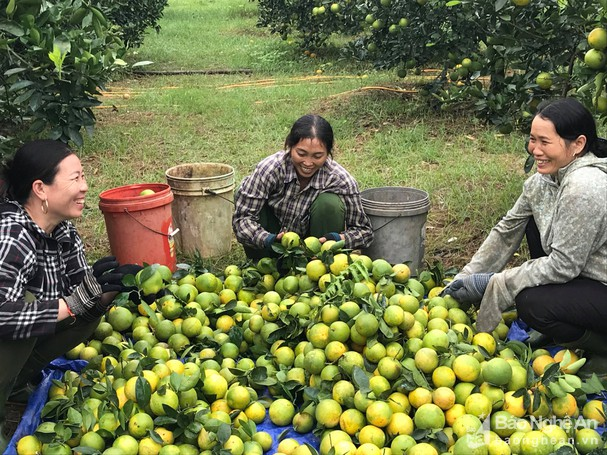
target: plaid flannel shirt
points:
(35, 271)
(274, 181)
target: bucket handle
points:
(218, 194)
(384, 225)
(169, 235)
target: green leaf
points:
(10, 8)
(156, 437)
(148, 310)
(24, 96)
(599, 82)
(453, 3)
(14, 71)
(74, 416)
(386, 330)
(312, 449)
(566, 450)
(593, 385)
(75, 136)
(143, 392)
(223, 433)
(12, 28)
(19, 85)
(63, 44)
(360, 378)
(551, 372)
(529, 162)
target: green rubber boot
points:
(594, 346)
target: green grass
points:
(384, 138)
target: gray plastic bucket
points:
(398, 216)
(203, 206)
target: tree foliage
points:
(489, 53)
(55, 56)
(134, 17)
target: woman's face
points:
(551, 151)
(66, 193)
(308, 156)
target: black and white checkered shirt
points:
(35, 271)
(274, 181)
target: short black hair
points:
(572, 119)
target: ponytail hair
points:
(600, 148)
(35, 160)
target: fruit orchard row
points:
(501, 57)
(321, 340)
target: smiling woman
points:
(300, 189)
(562, 212)
(50, 299)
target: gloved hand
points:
(104, 265)
(470, 288)
(106, 277)
(270, 239)
(332, 236)
(112, 281)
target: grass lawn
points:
(385, 136)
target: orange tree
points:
(55, 55)
(500, 57)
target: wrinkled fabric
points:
(570, 211)
(36, 269)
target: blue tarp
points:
(276, 431)
(31, 417)
(56, 369)
(519, 331)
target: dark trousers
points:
(562, 311)
(23, 360)
(327, 214)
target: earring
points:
(45, 206)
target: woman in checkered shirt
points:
(300, 189)
(50, 299)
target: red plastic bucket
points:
(140, 228)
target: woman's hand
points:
(98, 288)
(469, 289)
(331, 236)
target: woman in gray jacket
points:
(562, 290)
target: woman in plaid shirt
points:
(50, 299)
(303, 190)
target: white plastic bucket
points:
(398, 216)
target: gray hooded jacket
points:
(570, 211)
